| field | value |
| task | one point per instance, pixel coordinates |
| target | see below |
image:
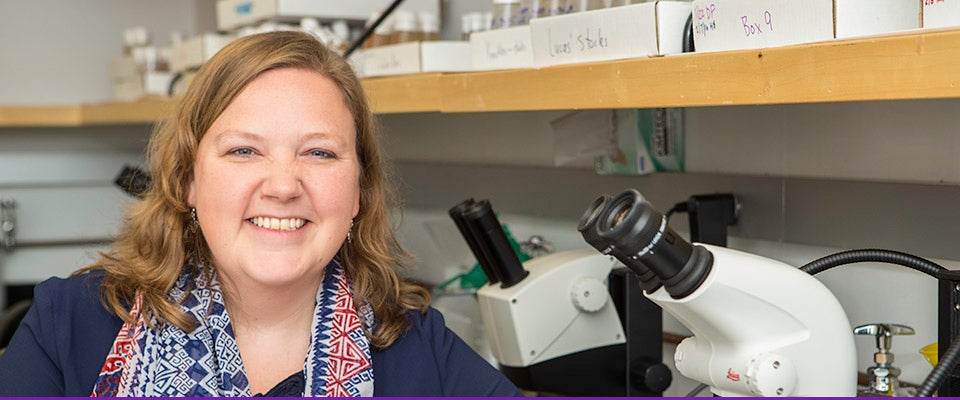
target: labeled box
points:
(648, 140)
(236, 13)
(753, 24)
(414, 57)
(941, 13)
(640, 30)
(506, 48)
(854, 18)
(195, 51)
(720, 25)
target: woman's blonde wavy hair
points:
(157, 241)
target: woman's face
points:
(276, 180)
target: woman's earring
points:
(348, 232)
(195, 222)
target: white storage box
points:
(754, 24)
(507, 48)
(855, 18)
(235, 13)
(941, 13)
(641, 30)
(415, 57)
(197, 50)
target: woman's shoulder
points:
(72, 300)
(74, 291)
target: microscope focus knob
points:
(771, 375)
(650, 376)
(589, 294)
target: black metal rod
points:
(369, 31)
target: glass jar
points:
(506, 13)
(405, 27)
(429, 25)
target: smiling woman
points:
(261, 259)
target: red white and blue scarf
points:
(206, 362)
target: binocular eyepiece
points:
(628, 228)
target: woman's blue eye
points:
(243, 151)
(321, 153)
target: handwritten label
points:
(753, 27)
(932, 2)
(705, 21)
(591, 39)
(496, 50)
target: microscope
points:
(761, 327)
(572, 323)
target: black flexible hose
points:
(950, 357)
(946, 362)
(872, 255)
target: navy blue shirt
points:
(63, 341)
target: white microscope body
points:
(763, 328)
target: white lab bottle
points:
(530, 9)
(405, 27)
(466, 22)
(506, 13)
(429, 25)
(553, 7)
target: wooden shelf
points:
(404, 94)
(917, 65)
(908, 66)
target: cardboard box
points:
(941, 13)
(414, 57)
(236, 13)
(502, 49)
(648, 140)
(641, 30)
(753, 24)
(195, 51)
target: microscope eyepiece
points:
(630, 229)
(589, 227)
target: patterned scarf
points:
(206, 362)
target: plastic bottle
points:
(506, 13)
(405, 27)
(383, 34)
(553, 7)
(368, 42)
(529, 9)
(429, 25)
(466, 25)
(617, 3)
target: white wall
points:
(58, 51)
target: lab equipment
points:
(566, 323)
(761, 327)
(884, 378)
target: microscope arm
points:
(763, 328)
